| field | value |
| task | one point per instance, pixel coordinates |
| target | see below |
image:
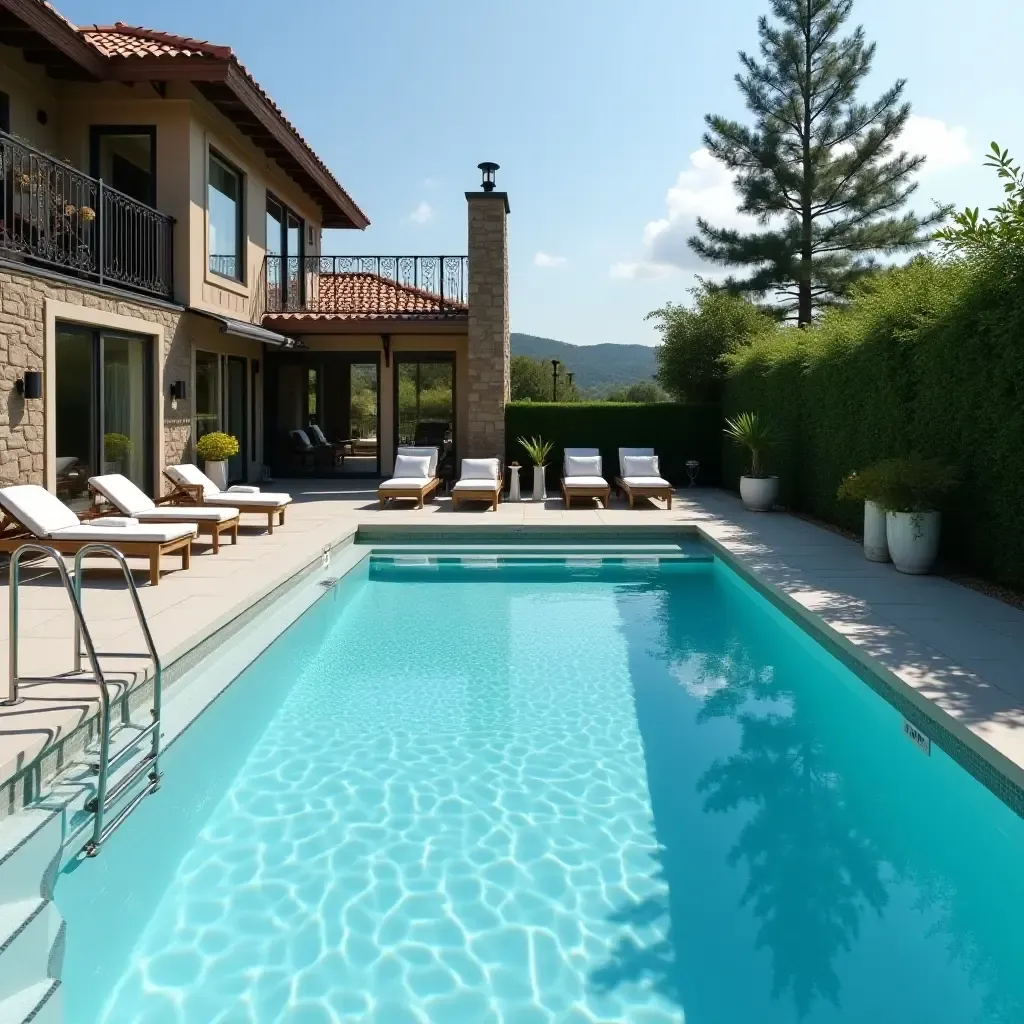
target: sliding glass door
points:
(425, 404)
(222, 403)
(104, 409)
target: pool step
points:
(39, 1003)
(32, 943)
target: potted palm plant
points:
(538, 451)
(866, 485)
(910, 490)
(215, 449)
(748, 430)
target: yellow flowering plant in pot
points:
(215, 449)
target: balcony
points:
(52, 215)
(364, 287)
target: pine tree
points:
(818, 170)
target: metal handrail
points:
(103, 800)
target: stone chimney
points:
(488, 384)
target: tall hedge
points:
(677, 432)
(928, 358)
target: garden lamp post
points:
(569, 377)
(554, 380)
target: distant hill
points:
(594, 367)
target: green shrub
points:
(216, 446)
(116, 447)
(911, 484)
(928, 359)
(676, 432)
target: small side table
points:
(513, 483)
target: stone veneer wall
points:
(23, 347)
(488, 343)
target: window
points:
(104, 409)
(285, 272)
(207, 392)
(224, 210)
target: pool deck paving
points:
(961, 650)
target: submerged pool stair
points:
(106, 797)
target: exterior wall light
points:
(31, 385)
(488, 168)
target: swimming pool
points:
(517, 792)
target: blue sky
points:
(594, 111)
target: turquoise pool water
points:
(527, 795)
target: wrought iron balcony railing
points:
(53, 215)
(418, 287)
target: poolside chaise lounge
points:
(193, 487)
(30, 512)
(640, 476)
(480, 481)
(415, 476)
(121, 495)
(582, 476)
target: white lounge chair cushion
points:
(242, 489)
(582, 465)
(318, 435)
(405, 483)
(125, 534)
(412, 466)
(640, 482)
(640, 465)
(480, 469)
(122, 493)
(37, 509)
(176, 513)
(589, 482)
(427, 450)
(186, 473)
(624, 452)
(476, 484)
(239, 501)
(117, 522)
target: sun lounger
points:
(30, 512)
(480, 481)
(640, 476)
(194, 487)
(126, 499)
(582, 476)
(415, 476)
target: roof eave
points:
(61, 34)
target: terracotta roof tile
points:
(362, 296)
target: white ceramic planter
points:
(539, 490)
(913, 540)
(876, 547)
(759, 492)
(513, 484)
(218, 473)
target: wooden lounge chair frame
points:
(207, 527)
(417, 494)
(14, 533)
(192, 494)
(653, 491)
(489, 494)
(603, 494)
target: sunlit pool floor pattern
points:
(487, 799)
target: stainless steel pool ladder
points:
(105, 797)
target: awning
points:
(241, 329)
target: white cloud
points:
(704, 189)
(944, 145)
(543, 259)
(423, 214)
(430, 182)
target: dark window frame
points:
(286, 213)
(240, 237)
(98, 131)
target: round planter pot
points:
(218, 473)
(759, 492)
(913, 540)
(539, 490)
(876, 547)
